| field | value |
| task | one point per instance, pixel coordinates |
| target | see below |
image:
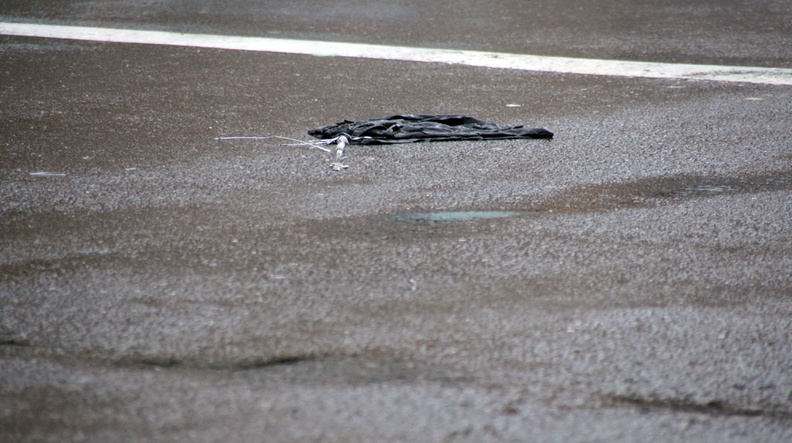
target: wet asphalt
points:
(158, 284)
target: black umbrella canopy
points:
(411, 128)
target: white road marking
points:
(523, 62)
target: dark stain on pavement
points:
(6, 341)
(651, 191)
(233, 365)
(58, 266)
(604, 197)
(354, 369)
(715, 407)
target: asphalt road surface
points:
(158, 284)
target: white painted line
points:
(524, 62)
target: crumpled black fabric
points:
(414, 128)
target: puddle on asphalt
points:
(452, 225)
(604, 197)
(642, 193)
(651, 191)
(711, 186)
(453, 216)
